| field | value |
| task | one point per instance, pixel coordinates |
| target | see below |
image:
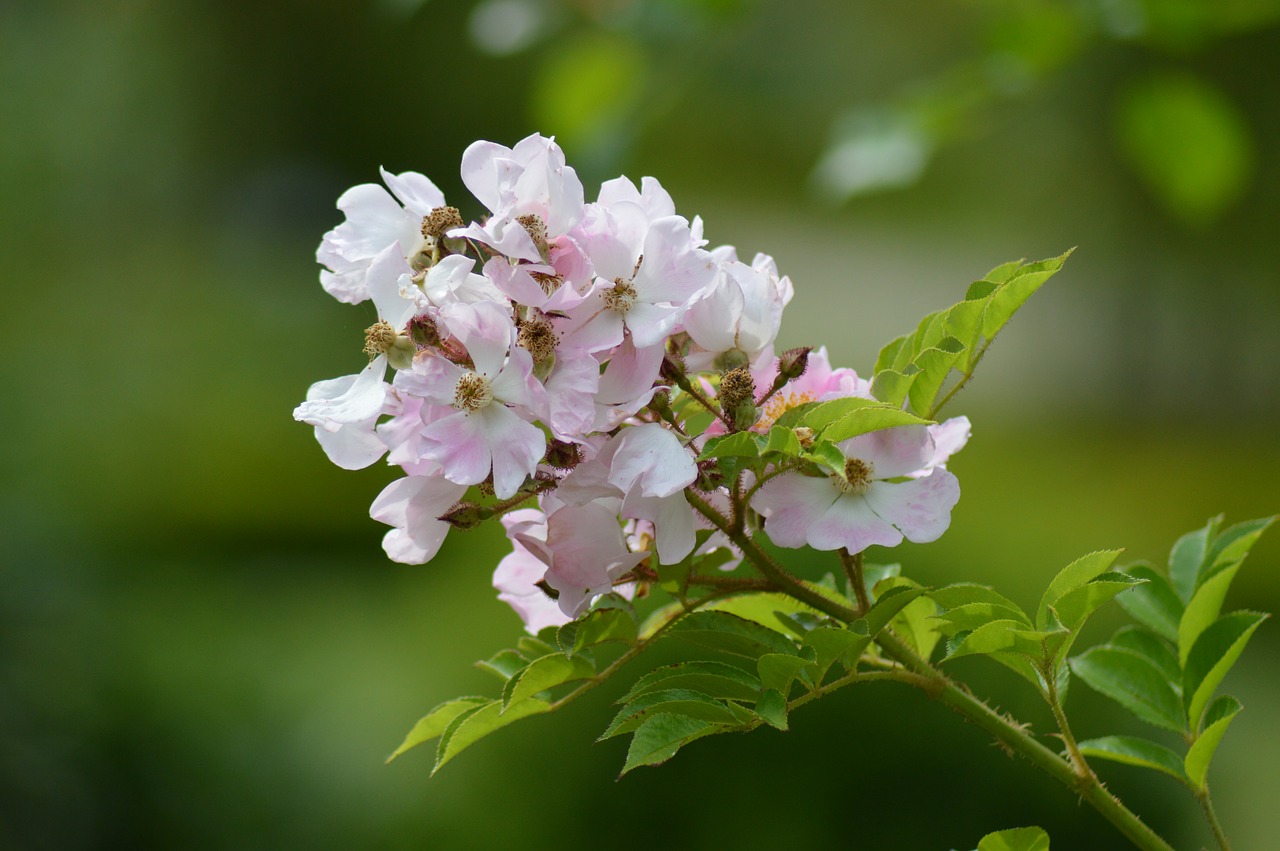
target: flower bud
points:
(424, 333)
(793, 362)
(466, 515)
(563, 455)
(710, 476)
(732, 359)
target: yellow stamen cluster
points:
(857, 476)
(549, 283)
(621, 297)
(472, 393)
(378, 339)
(778, 405)
(538, 338)
(439, 221)
(537, 229)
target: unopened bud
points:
(466, 515)
(732, 359)
(563, 455)
(793, 362)
(673, 367)
(710, 476)
(424, 333)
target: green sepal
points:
(715, 679)
(1132, 750)
(435, 722)
(686, 702)
(474, 724)
(545, 673)
(772, 707)
(1217, 718)
(1132, 681)
(1154, 604)
(660, 736)
(1215, 651)
(731, 634)
(1016, 839)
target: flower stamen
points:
(472, 393)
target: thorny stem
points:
(1006, 731)
(1082, 769)
(853, 571)
(1206, 804)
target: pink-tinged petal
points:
(651, 459)
(588, 482)
(673, 523)
(374, 221)
(452, 280)
(458, 444)
(414, 190)
(570, 392)
(613, 238)
(651, 324)
(893, 451)
(485, 329)
(356, 398)
(590, 327)
(791, 504)
(571, 263)
(588, 552)
(347, 286)
(352, 447)
(850, 523)
(434, 379)
(383, 280)
(949, 437)
(921, 508)
(710, 318)
(413, 505)
(486, 168)
(514, 382)
(630, 373)
(673, 269)
(516, 282)
(515, 445)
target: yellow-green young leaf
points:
(890, 354)
(532, 648)
(686, 702)
(1154, 604)
(1017, 839)
(1014, 292)
(1215, 651)
(475, 724)
(1075, 606)
(935, 365)
(763, 608)
(1132, 750)
(1233, 544)
(436, 722)
(503, 664)
(715, 679)
(1154, 649)
(916, 624)
(740, 445)
(783, 441)
(547, 672)
(889, 603)
(779, 670)
(732, 634)
(772, 707)
(1187, 142)
(971, 616)
(1188, 556)
(963, 593)
(599, 626)
(1203, 609)
(1133, 682)
(661, 735)
(1074, 575)
(1201, 753)
(1008, 636)
(964, 320)
(891, 386)
(869, 419)
(999, 274)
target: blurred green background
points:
(201, 642)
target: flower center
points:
(778, 405)
(538, 338)
(621, 297)
(378, 339)
(857, 476)
(472, 393)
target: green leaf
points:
(504, 664)
(888, 357)
(1079, 572)
(1153, 604)
(1188, 556)
(935, 365)
(783, 441)
(772, 707)
(1007, 636)
(1222, 711)
(891, 386)
(1204, 608)
(819, 415)
(436, 722)
(532, 648)
(972, 616)
(1017, 839)
(1132, 750)
(547, 672)
(830, 644)
(963, 593)
(715, 679)
(731, 634)
(1074, 607)
(1215, 651)
(1233, 544)
(1133, 682)
(1154, 649)
(762, 608)
(660, 736)
(1014, 292)
(742, 444)
(998, 275)
(474, 724)
(869, 419)
(1188, 143)
(779, 670)
(598, 626)
(686, 702)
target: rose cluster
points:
(581, 354)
